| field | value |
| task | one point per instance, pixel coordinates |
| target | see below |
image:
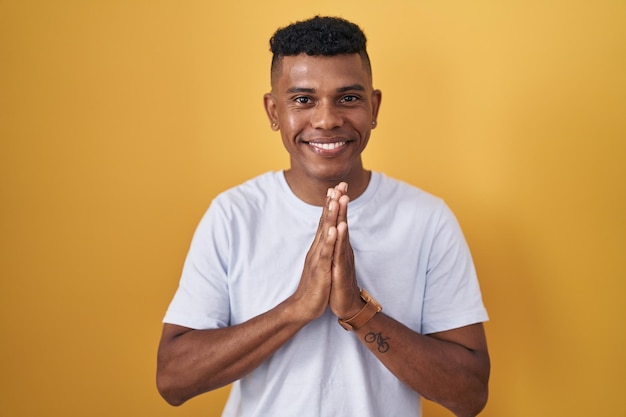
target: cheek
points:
(293, 123)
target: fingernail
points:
(329, 192)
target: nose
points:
(326, 116)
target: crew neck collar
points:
(312, 210)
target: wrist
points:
(369, 309)
(297, 311)
(354, 308)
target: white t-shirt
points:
(247, 256)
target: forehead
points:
(305, 70)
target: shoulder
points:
(406, 204)
(244, 201)
(401, 192)
(254, 192)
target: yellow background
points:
(120, 120)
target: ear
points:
(270, 108)
(377, 97)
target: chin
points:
(333, 176)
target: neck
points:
(313, 191)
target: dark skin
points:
(325, 108)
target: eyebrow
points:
(353, 87)
(299, 90)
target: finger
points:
(327, 235)
(339, 252)
(341, 242)
(343, 260)
(343, 187)
(344, 294)
(325, 250)
(331, 215)
(326, 218)
(342, 213)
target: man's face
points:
(324, 108)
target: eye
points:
(349, 99)
(302, 100)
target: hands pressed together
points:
(329, 277)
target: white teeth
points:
(327, 146)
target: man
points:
(287, 304)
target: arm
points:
(451, 368)
(191, 362)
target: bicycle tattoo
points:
(372, 337)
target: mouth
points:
(331, 146)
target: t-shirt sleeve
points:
(201, 300)
(452, 296)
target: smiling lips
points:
(327, 146)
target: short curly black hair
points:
(320, 35)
